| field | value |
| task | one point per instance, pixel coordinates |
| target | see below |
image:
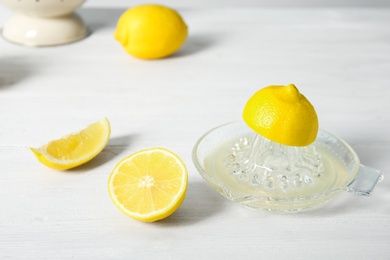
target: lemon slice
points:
(149, 185)
(75, 149)
(283, 115)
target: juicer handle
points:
(365, 181)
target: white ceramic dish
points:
(39, 23)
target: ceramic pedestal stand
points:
(39, 23)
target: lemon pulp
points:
(148, 185)
(75, 149)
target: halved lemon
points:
(283, 115)
(75, 149)
(149, 185)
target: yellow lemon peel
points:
(151, 31)
(75, 149)
(283, 115)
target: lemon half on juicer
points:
(278, 159)
(283, 115)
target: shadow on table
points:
(98, 19)
(196, 43)
(201, 202)
(347, 204)
(13, 69)
(115, 146)
(369, 150)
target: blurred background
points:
(241, 3)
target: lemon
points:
(75, 149)
(283, 115)
(151, 31)
(148, 185)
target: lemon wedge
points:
(75, 149)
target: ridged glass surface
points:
(260, 162)
(258, 173)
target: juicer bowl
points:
(342, 172)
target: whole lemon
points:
(151, 31)
(283, 115)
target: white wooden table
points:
(340, 60)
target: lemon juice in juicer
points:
(279, 159)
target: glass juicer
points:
(254, 171)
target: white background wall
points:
(259, 3)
